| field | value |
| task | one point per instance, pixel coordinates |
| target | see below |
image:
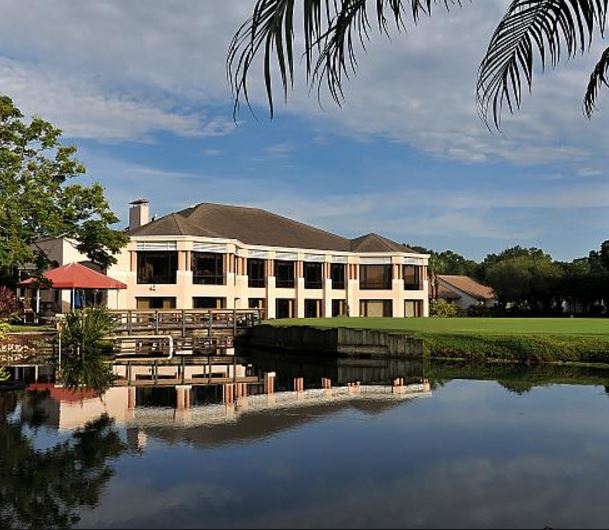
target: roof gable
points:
(469, 286)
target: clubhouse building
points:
(233, 257)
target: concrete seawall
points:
(336, 341)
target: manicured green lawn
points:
(537, 340)
(477, 326)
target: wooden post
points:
(234, 323)
(183, 324)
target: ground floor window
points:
(256, 303)
(208, 302)
(156, 302)
(413, 308)
(284, 308)
(339, 308)
(375, 308)
(312, 308)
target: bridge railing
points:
(138, 321)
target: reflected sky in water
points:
(472, 455)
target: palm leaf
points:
(542, 29)
(597, 80)
(333, 29)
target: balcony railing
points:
(313, 284)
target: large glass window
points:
(312, 308)
(208, 269)
(284, 308)
(413, 280)
(157, 267)
(375, 277)
(376, 308)
(339, 308)
(413, 308)
(156, 302)
(337, 273)
(255, 273)
(284, 274)
(313, 275)
(208, 302)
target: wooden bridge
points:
(166, 333)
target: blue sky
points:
(141, 88)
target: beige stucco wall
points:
(237, 292)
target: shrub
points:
(8, 303)
(442, 309)
(84, 349)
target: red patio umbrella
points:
(71, 277)
(76, 276)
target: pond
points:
(476, 447)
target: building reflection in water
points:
(222, 402)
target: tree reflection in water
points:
(46, 488)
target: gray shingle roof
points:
(258, 227)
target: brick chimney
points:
(139, 213)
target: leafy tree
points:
(448, 262)
(83, 361)
(38, 200)
(531, 31)
(526, 278)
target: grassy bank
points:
(500, 339)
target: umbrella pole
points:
(37, 305)
(73, 299)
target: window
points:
(284, 273)
(375, 277)
(256, 303)
(284, 308)
(337, 273)
(412, 278)
(157, 267)
(208, 268)
(313, 275)
(376, 308)
(156, 302)
(312, 308)
(208, 302)
(413, 308)
(339, 308)
(255, 273)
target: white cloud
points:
(417, 89)
(82, 110)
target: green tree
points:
(526, 278)
(38, 199)
(532, 31)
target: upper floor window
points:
(157, 267)
(337, 273)
(375, 277)
(284, 274)
(255, 272)
(313, 275)
(413, 277)
(208, 268)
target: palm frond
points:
(598, 78)
(543, 29)
(333, 31)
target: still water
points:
(491, 447)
